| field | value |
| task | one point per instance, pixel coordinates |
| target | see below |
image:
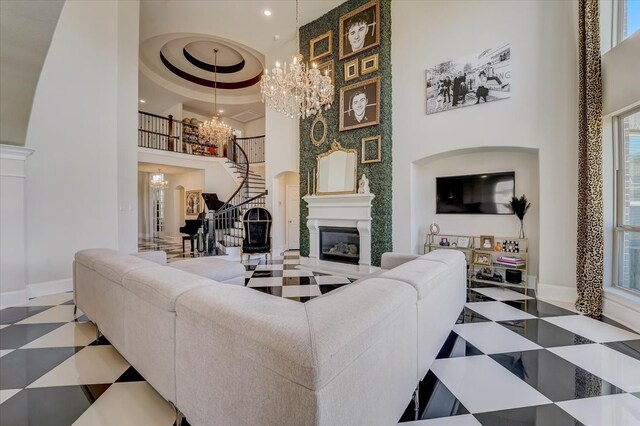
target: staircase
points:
(225, 226)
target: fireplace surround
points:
(340, 211)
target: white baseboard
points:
(13, 298)
(561, 293)
(49, 287)
(622, 307)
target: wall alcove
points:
(523, 161)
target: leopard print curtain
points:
(590, 254)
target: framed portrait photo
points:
(360, 104)
(351, 70)
(360, 29)
(326, 68)
(371, 150)
(369, 64)
(193, 203)
(321, 46)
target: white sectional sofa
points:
(229, 355)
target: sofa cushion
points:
(346, 324)
(421, 274)
(88, 257)
(270, 331)
(162, 285)
(209, 267)
(115, 268)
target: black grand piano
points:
(191, 226)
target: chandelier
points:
(157, 181)
(300, 91)
(214, 131)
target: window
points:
(628, 202)
(628, 18)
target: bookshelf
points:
(503, 262)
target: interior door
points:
(293, 217)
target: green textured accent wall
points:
(379, 174)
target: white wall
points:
(525, 165)
(540, 115)
(282, 146)
(13, 277)
(72, 179)
(127, 104)
(254, 128)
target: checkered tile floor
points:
(172, 246)
(510, 360)
(516, 360)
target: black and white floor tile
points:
(510, 360)
(515, 360)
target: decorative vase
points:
(522, 229)
(200, 241)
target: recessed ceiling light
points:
(267, 12)
(220, 111)
(142, 101)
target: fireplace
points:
(339, 244)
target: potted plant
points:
(520, 207)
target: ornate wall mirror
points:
(337, 170)
(318, 130)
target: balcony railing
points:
(167, 134)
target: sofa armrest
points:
(391, 260)
(159, 257)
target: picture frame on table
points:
(482, 259)
(487, 242)
(463, 242)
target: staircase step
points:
(230, 241)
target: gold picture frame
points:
(313, 46)
(327, 68)
(351, 70)
(369, 64)
(367, 17)
(482, 259)
(351, 115)
(193, 202)
(487, 242)
(319, 120)
(378, 158)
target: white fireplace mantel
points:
(343, 210)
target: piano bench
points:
(191, 238)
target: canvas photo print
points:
(471, 80)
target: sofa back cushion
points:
(115, 267)
(88, 257)
(270, 331)
(346, 324)
(427, 271)
(162, 285)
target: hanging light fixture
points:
(157, 181)
(214, 131)
(300, 91)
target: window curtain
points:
(590, 253)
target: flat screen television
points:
(487, 193)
